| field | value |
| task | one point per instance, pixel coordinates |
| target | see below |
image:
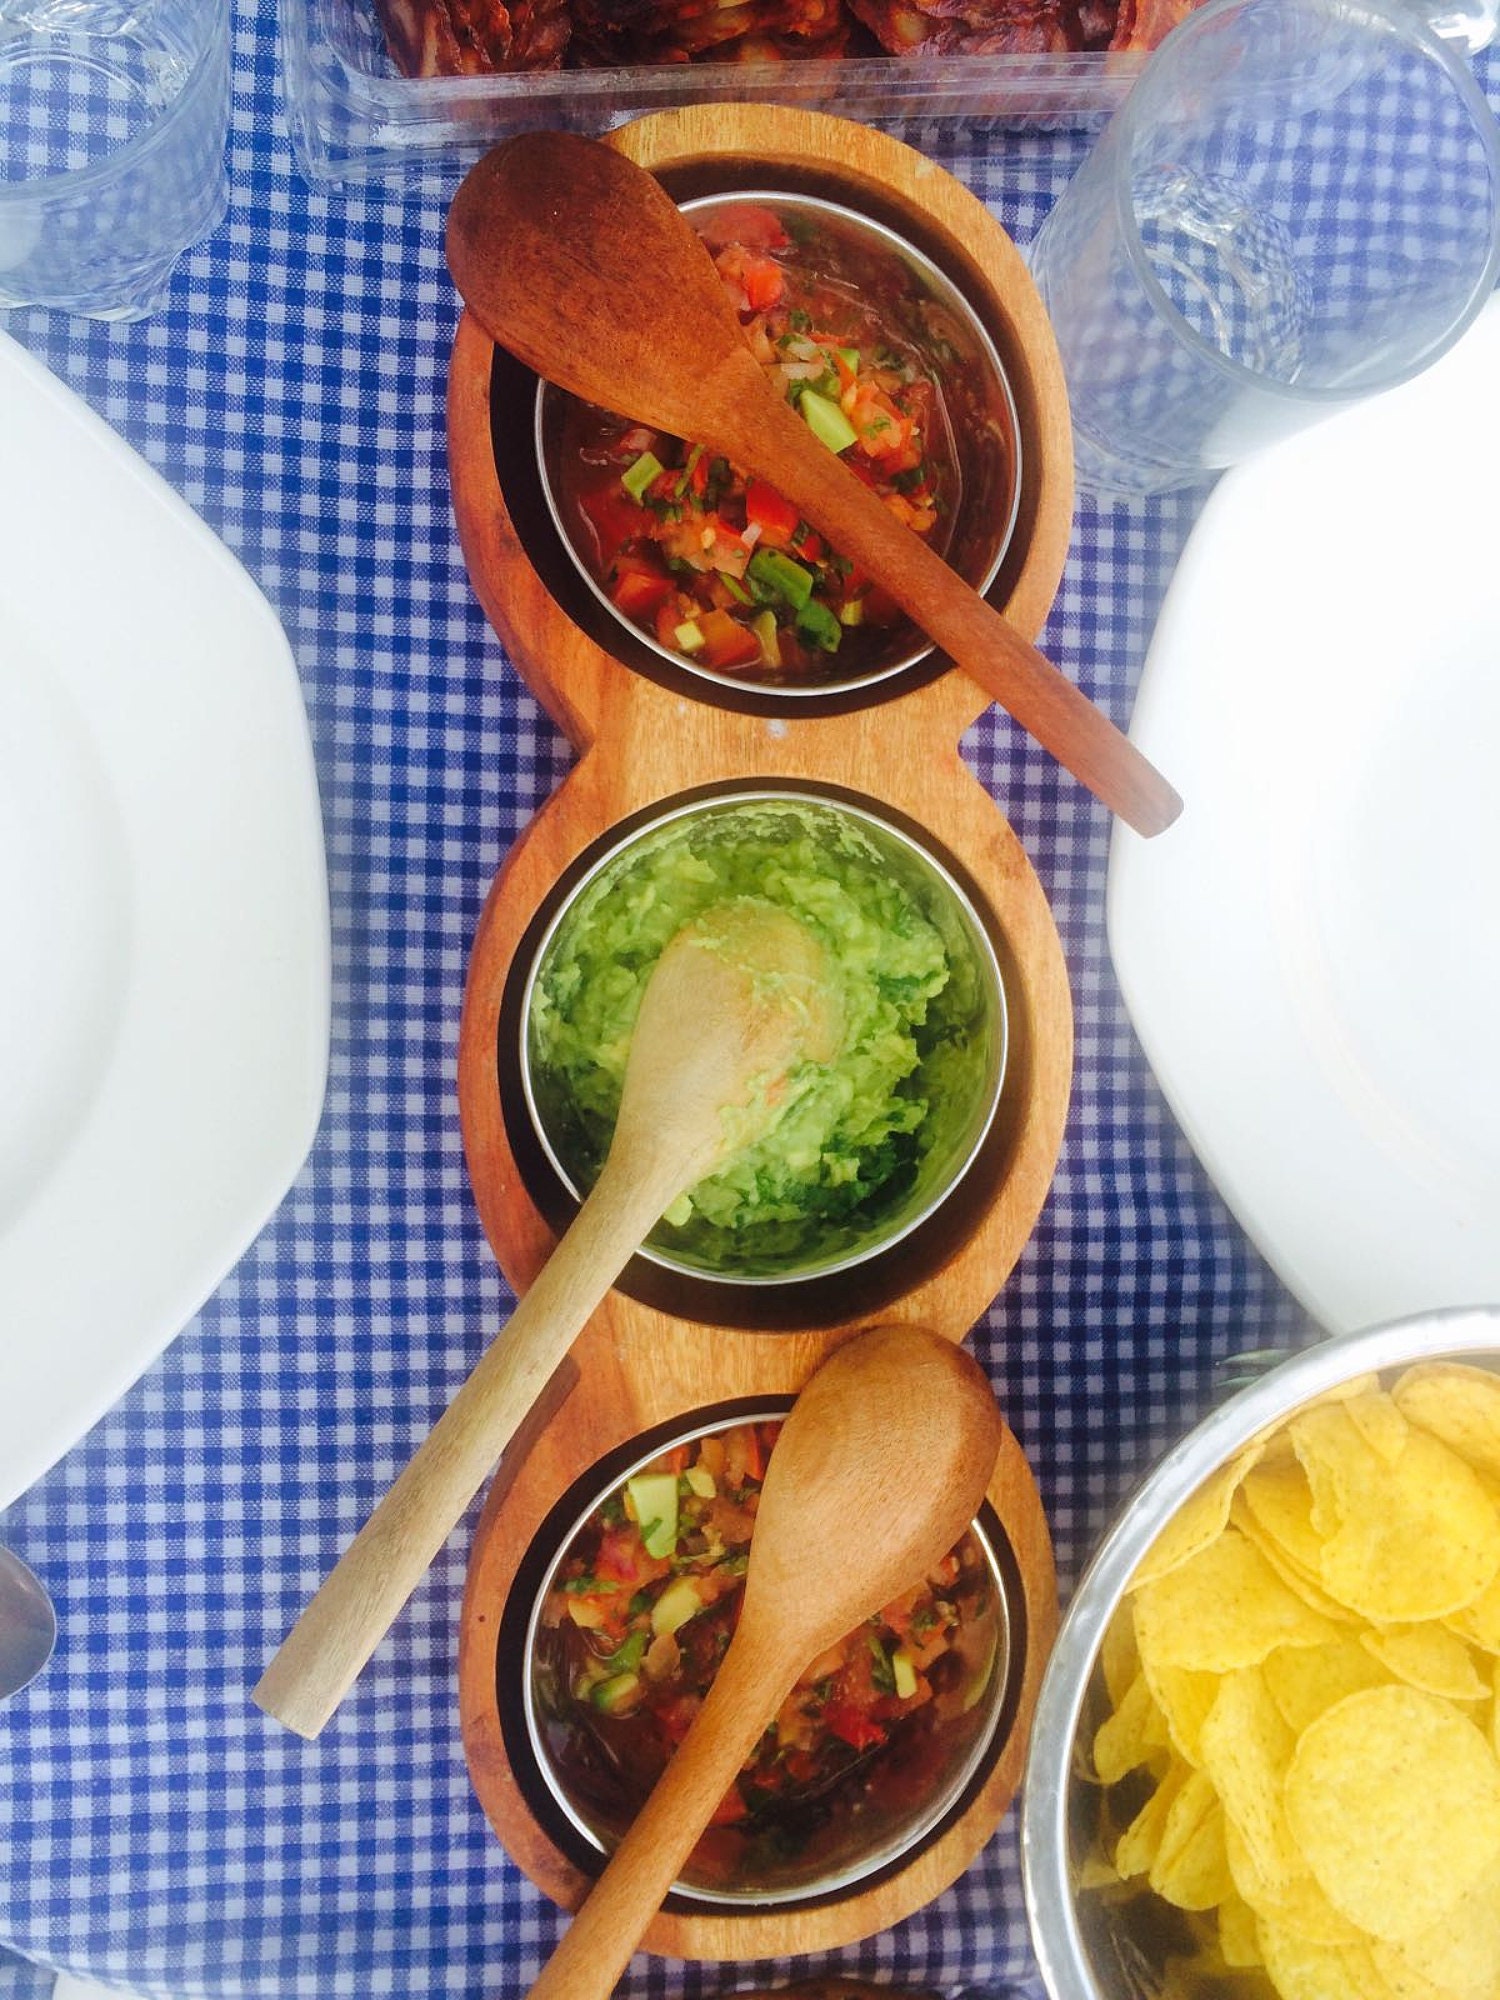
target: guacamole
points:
(861, 1139)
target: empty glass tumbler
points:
(1298, 205)
(112, 125)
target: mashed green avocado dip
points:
(862, 1140)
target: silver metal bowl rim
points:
(984, 950)
(913, 1836)
(950, 294)
(1050, 1895)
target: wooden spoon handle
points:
(354, 1607)
(748, 1688)
(770, 435)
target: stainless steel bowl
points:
(859, 1846)
(987, 451)
(1136, 1949)
(945, 902)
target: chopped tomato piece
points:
(725, 643)
(639, 593)
(730, 1809)
(763, 282)
(613, 516)
(623, 1559)
(852, 1726)
(744, 222)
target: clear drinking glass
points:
(1297, 205)
(112, 128)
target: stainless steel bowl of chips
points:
(1266, 1756)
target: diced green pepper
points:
(627, 1657)
(637, 476)
(688, 635)
(687, 471)
(904, 1668)
(763, 625)
(654, 1497)
(782, 577)
(818, 626)
(680, 1601)
(826, 420)
(616, 1693)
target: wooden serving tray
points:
(660, 1346)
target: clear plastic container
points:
(353, 117)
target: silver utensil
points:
(28, 1625)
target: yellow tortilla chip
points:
(1402, 1542)
(1246, 1750)
(1239, 1947)
(1119, 1656)
(1457, 1403)
(1184, 1697)
(1297, 1580)
(1393, 1798)
(1224, 1608)
(1302, 1970)
(1201, 1519)
(1299, 1905)
(1479, 1622)
(1428, 1657)
(1306, 1680)
(1279, 1501)
(1140, 1841)
(1130, 1736)
(1460, 1956)
(1379, 1423)
(1189, 1867)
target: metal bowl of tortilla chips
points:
(1266, 1757)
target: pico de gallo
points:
(642, 1611)
(716, 566)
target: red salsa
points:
(719, 568)
(641, 1611)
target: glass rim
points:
(1485, 128)
(203, 73)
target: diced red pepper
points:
(776, 518)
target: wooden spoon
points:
(880, 1467)
(580, 263)
(738, 997)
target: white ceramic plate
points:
(1311, 955)
(164, 943)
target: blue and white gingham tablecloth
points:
(156, 1831)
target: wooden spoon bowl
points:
(843, 1854)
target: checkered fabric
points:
(156, 1831)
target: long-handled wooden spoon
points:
(579, 262)
(736, 1000)
(880, 1467)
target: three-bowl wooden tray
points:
(658, 1348)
